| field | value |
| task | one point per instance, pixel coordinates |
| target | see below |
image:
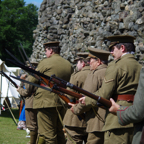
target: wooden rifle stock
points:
(9, 79)
(54, 87)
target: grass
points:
(8, 129)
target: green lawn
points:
(8, 129)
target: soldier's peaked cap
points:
(116, 39)
(98, 53)
(52, 43)
(81, 55)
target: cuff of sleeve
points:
(90, 102)
(79, 109)
(120, 116)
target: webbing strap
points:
(98, 116)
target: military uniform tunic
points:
(135, 113)
(121, 77)
(31, 114)
(94, 116)
(76, 125)
(48, 103)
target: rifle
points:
(16, 86)
(43, 80)
(58, 83)
(64, 97)
(2, 73)
(60, 94)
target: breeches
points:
(77, 134)
(119, 136)
(49, 125)
(31, 119)
(95, 138)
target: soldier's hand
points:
(82, 100)
(72, 105)
(23, 76)
(113, 109)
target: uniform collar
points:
(100, 67)
(124, 56)
(85, 68)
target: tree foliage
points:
(17, 22)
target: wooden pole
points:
(11, 112)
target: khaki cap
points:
(81, 55)
(98, 53)
(120, 39)
(52, 43)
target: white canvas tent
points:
(6, 88)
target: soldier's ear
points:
(99, 61)
(123, 48)
(51, 51)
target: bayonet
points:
(13, 57)
(2, 73)
(26, 55)
(22, 55)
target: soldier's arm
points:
(80, 108)
(134, 113)
(108, 86)
(29, 89)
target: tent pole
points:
(8, 105)
(11, 112)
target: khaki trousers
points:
(49, 125)
(77, 134)
(95, 138)
(119, 136)
(31, 119)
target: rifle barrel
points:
(9, 79)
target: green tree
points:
(17, 22)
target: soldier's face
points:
(117, 53)
(80, 65)
(48, 52)
(93, 64)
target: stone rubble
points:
(79, 24)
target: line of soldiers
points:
(86, 120)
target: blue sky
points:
(35, 2)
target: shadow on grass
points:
(7, 113)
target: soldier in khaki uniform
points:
(75, 126)
(120, 82)
(94, 116)
(133, 114)
(31, 114)
(48, 104)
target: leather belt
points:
(125, 97)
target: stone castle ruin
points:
(79, 24)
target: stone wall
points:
(78, 24)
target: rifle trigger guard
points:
(69, 85)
